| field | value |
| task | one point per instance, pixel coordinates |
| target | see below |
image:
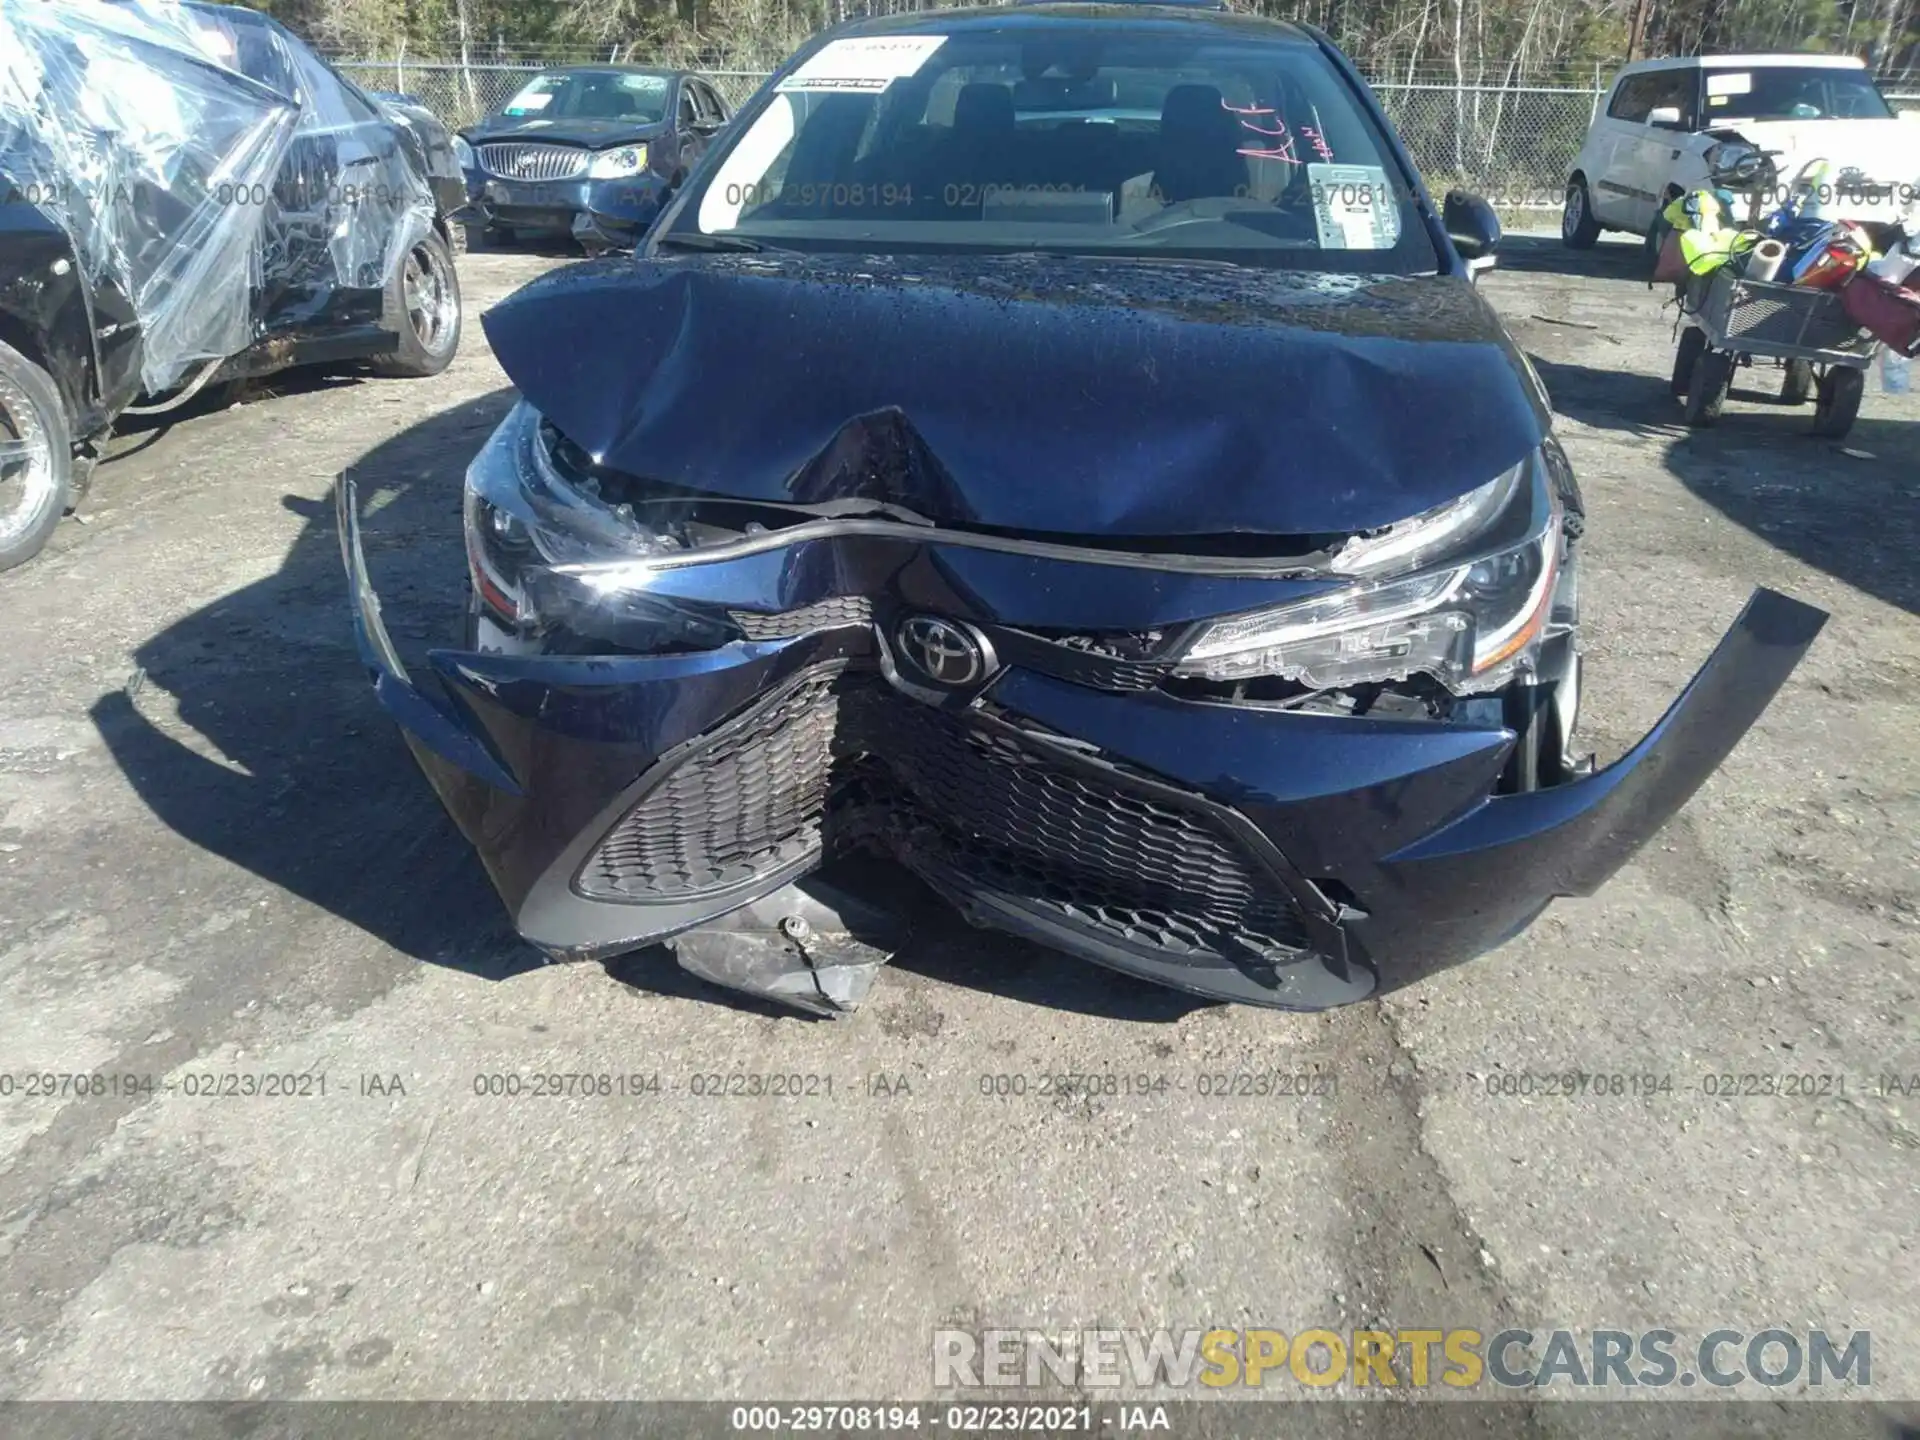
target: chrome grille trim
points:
(520, 161)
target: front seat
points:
(602, 102)
(1199, 147)
(981, 145)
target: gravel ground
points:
(216, 856)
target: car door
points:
(1613, 179)
(1673, 116)
(713, 113)
(687, 140)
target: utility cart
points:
(1733, 321)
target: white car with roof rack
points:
(1649, 140)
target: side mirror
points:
(1473, 228)
(1664, 117)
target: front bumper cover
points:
(616, 211)
(1276, 858)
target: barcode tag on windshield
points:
(863, 63)
(1353, 207)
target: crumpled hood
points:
(1073, 397)
(1884, 150)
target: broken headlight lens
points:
(520, 473)
(527, 511)
(1406, 544)
(1471, 623)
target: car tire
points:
(484, 237)
(36, 458)
(423, 305)
(1685, 355)
(1707, 387)
(1578, 229)
(1838, 405)
(1796, 386)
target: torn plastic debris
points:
(171, 146)
(811, 946)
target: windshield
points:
(1070, 138)
(593, 95)
(1793, 92)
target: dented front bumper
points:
(1249, 854)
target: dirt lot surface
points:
(216, 857)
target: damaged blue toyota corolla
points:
(1059, 449)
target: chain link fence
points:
(1511, 143)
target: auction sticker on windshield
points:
(864, 63)
(1353, 207)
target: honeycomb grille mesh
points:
(840, 763)
(828, 614)
(747, 805)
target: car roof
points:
(1187, 15)
(1743, 62)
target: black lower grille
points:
(748, 804)
(839, 762)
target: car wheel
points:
(1797, 384)
(1578, 228)
(1707, 387)
(1685, 355)
(423, 305)
(36, 458)
(1839, 401)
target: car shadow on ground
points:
(553, 247)
(943, 947)
(1613, 258)
(1849, 514)
(252, 730)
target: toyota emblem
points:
(942, 651)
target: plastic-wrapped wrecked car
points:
(189, 195)
(1059, 448)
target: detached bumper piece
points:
(1239, 853)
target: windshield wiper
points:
(699, 240)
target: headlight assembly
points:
(1407, 544)
(1471, 622)
(462, 153)
(616, 164)
(527, 517)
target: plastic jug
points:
(1894, 376)
(1895, 266)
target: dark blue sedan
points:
(1055, 459)
(592, 152)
